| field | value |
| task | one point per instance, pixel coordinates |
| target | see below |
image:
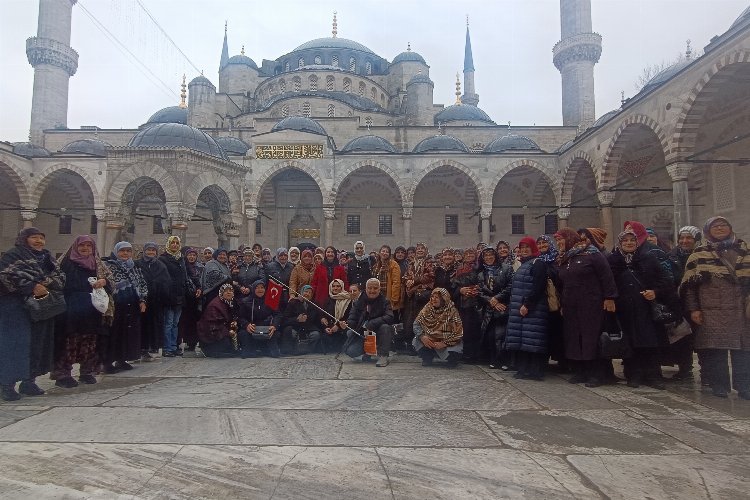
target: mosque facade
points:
(333, 143)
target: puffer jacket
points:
(528, 333)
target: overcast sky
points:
(512, 42)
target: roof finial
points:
(225, 26)
(622, 98)
(688, 50)
(458, 89)
(243, 50)
(467, 20)
(408, 46)
(183, 94)
(335, 25)
(508, 124)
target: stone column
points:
(329, 213)
(680, 195)
(232, 224)
(563, 214)
(251, 215)
(485, 214)
(114, 224)
(28, 217)
(606, 198)
(407, 211)
(101, 233)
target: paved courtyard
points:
(328, 427)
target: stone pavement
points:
(329, 427)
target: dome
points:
(742, 18)
(369, 144)
(171, 114)
(87, 146)
(408, 56)
(664, 75)
(333, 43)
(176, 135)
(420, 78)
(462, 113)
(232, 145)
(511, 142)
(30, 150)
(242, 59)
(200, 80)
(300, 124)
(444, 143)
(605, 118)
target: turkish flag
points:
(273, 295)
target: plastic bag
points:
(99, 298)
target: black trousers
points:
(644, 365)
(531, 364)
(715, 365)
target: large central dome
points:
(333, 43)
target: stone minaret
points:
(470, 96)
(574, 56)
(54, 63)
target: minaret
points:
(224, 50)
(470, 96)
(574, 56)
(54, 63)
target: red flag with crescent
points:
(273, 295)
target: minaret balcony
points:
(48, 51)
(580, 47)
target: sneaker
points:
(145, 356)
(719, 392)
(593, 382)
(111, 369)
(30, 388)
(178, 352)
(366, 358)
(426, 361)
(124, 366)
(382, 361)
(168, 354)
(66, 383)
(87, 379)
(8, 393)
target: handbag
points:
(422, 294)
(553, 301)
(261, 333)
(612, 341)
(660, 313)
(678, 331)
(45, 307)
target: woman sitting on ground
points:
(338, 306)
(255, 315)
(217, 328)
(301, 323)
(438, 330)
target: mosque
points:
(332, 143)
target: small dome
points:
(200, 80)
(408, 56)
(333, 43)
(300, 124)
(462, 113)
(232, 145)
(87, 146)
(368, 144)
(605, 118)
(176, 135)
(742, 18)
(420, 78)
(30, 150)
(171, 114)
(664, 75)
(443, 143)
(242, 59)
(511, 142)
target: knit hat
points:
(650, 231)
(24, 235)
(531, 243)
(123, 244)
(638, 229)
(692, 231)
(596, 235)
(304, 287)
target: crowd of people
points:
(510, 307)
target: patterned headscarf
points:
(442, 323)
(24, 234)
(720, 244)
(551, 254)
(177, 253)
(146, 246)
(638, 229)
(128, 264)
(223, 288)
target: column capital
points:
(485, 213)
(606, 197)
(251, 212)
(28, 215)
(407, 210)
(329, 213)
(679, 171)
(563, 213)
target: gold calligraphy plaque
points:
(306, 233)
(288, 151)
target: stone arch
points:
(150, 170)
(16, 178)
(279, 167)
(206, 179)
(402, 189)
(553, 182)
(685, 132)
(580, 160)
(48, 174)
(481, 192)
(608, 174)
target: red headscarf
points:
(531, 242)
(639, 229)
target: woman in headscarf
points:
(324, 274)
(254, 313)
(208, 255)
(302, 274)
(388, 272)
(152, 323)
(218, 330)
(130, 294)
(549, 253)
(215, 274)
(438, 330)
(250, 271)
(178, 287)
(359, 269)
(527, 323)
(494, 277)
(640, 280)
(26, 347)
(446, 269)
(78, 329)
(190, 310)
(504, 253)
(465, 286)
(594, 236)
(419, 281)
(716, 293)
(301, 323)
(339, 305)
(587, 289)
(294, 255)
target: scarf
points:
(342, 299)
(718, 244)
(86, 262)
(706, 263)
(146, 246)
(177, 253)
(466, 267)
(125, 264)
(222, 289)
(441, 324)
(551, 254)
(297, 260)
(307, 267)
(364, 253)
(192, 267)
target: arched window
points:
(362, 89)
(297, 82)
(335, 61)
(368, 121)
(282, 85)
(373, 94)
(368, 68)
(313, 83)
(272, 89)
(306, 109)
(285, 110)
(287, 66)
(352, 64)
(318, 60)
(347, 85)
(330, 83)
(331, 111)
(301, 63)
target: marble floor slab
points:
(583, 431)
(406, 367)
(10, 415)
(651, 403)
(556, 393)
(106, 389)
(719, 436)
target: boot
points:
(66, 383)
(427, 355)
(29, 388)
(8, 393)
(452, 360)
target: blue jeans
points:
(171, 319)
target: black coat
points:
(178, 281)
(254, 310)
(375, 312)
(157, 281)
(294, 309)
(81, 317)
(359, 271)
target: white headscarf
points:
(364, 252)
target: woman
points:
(495, 278)
(338, 306)
(301, 323)
(190, 309)
(549, 253)
(438, 330)
(250, 270)
(716, 293)
(254, 313)
(399, 255)
(152, 323)
(325, 273)
(419, 281)
(504, 254)
(587, 289)
(257, 251)
(130, 294)
(527, 322)
(302, 274)
(217, 328)
(446, 269)
(465, 286)
(388, 273)
(208, 255)
(26, 347)
(640, 280)
(359, 269)
(77, 330)
(215, 274)
(179, 287)
(594, 236)
(294, 255)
